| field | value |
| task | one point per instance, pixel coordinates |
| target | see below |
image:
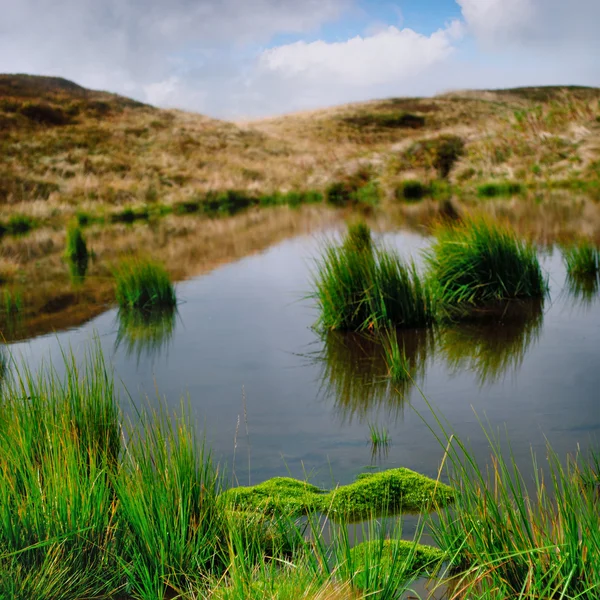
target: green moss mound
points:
(280, 495)
(387, 492)
(391, 491)
(379, 561)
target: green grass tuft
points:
(143, 284)
(357, 290)
(582, 260)
(380, 561)
(508, 536)
(378, 435)
(397, 363)
(480, 265)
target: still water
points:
(269, 391)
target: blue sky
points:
(244, 58)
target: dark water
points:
(241, 348)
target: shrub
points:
(505, 188)
(447, 151)
(129, 215)
(477, 264)
(143, 284)
(83, 218)
(400, 120)
(44, 114)
(354, 188)
(187, 207)
(19, 224)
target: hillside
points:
(68, 149)
(68, 153)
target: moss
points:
(282, 495)
(392, 559)
(395, 490)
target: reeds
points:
(360, 290)
(378, 435)
(509, 537)
(143, 284)
(478, 264)
(397, 363)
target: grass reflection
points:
(78, 269)
(355, 372)
(494, 343)
(145, 334)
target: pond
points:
(274, 397)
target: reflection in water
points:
(78, 269)
(583, 288)
(493, 345)
(355, 373)
(145, 333)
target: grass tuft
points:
(480, 265)
(357, 290)
(582, 260)
(143, 284)
(510, 537)
(378, 435)
(396, 361)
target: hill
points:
(67, 149)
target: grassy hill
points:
(67, 149)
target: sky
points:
(250, 58)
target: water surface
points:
(268, 389)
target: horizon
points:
(239, 61)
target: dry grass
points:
(113, 152)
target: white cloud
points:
(388, 55)
(534, 23)
(119, 43)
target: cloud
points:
(553, 24)
(391, 54)
(119, 43)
